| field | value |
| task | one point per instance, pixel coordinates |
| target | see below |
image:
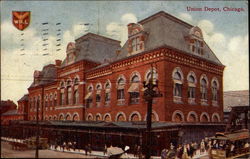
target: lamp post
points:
(150, 88)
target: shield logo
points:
(21, 19)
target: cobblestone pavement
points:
(7, 152)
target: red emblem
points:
(21, 20)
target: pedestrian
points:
(164, 153)
(179, 152)
(88, 149)
(185, 152)
(202, 146)
(105, 149)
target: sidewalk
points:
(98, 153)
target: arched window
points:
(134, 117)
(76, 97)
(107, 117)
(68, 117)
(89, 98)
(62, 95)
(51, 99)
(69, 93)
(46, 101)
(38, 101)
(203, 89)
(55, 99)
(61, 117)
(76, 81)
(178, 116)
(75, 117)
(76, 92)
(98, 94)
(34, 103)
(214, 91)
(120, 91)
(134, 94)
(120, 117)
(107, 93)
(98, 117)
(191, 87)
(177, 85)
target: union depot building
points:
(99, 80)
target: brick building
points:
(13, 112)
(100, 80)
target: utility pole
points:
(149, 93)
(37, 123)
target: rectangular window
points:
(203, 93)
(178, 89)
(191, 92)
(89, 102)
(107, 96)
(98, 98)
(134, 97)
(120, 94)
(134, 45)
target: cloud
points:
(128, 18)
(206, 26)
(186, 17)
(118, 30)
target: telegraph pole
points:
(149, 94)
(37, 123)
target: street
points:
(7, 152)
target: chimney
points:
(58, 63)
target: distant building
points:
(234, 99)
(6, 106)
(14, 112)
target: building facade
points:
(100, 80)
(13, 112)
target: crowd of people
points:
(190, 150)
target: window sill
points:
(134, 101)
(107, 103)
(191, 101)
(177, 100)
(98, 104)
(121, 102)
(204, 102)
(215, 103)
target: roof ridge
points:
(163, 13)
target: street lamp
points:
(150, 88)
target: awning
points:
(191, 85)
(88, 95)
(177, 81)
(98, 92)
(134, 87)
(120, 87)
(107, 90)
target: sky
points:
(226, 33)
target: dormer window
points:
(70, 53)
(197, 47)
(136, 37)
(136, 44)
(195, 39)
